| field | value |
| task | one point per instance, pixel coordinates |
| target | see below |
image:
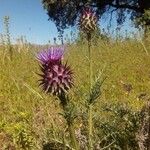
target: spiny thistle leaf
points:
(95, 91)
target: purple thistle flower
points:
(52, 54)
(56, 77)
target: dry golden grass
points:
(23, 106)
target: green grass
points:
(25, 108)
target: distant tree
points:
(65, 12)
(144, 21)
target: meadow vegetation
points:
(30, 119)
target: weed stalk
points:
(7, 34)
(90, 124)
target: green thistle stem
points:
(64, 102)
(90, 124)
(90, 61)
(72, 136)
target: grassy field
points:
(28, 116)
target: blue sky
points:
(28, 18)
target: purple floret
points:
(51, 54)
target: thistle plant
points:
(57, 79)
(88, 24)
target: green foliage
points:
(65, 12)
(95, 91)
(20, 131)
(121, 127)
(70, 113)
(144, 21)
(23, 138)
(145, 18)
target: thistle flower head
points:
(88, 20)
(56, 78)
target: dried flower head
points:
(56, 77)
(88, 20)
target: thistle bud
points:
(88, 21)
